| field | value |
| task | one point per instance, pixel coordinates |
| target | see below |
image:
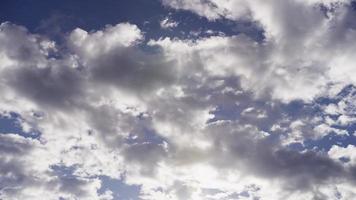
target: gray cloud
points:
(132, 70)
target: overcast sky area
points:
(178, 100)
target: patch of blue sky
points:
(11, 124)
(120, 189)
(64, 171)
(325, 143)
(146, 135)
(192, 26)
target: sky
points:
(178, 100)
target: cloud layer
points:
(218, 117)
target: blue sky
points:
(177, 99)
(58, 17)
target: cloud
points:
(168, 23)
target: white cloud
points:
(168, 23)
(121, 35)
(348, 153)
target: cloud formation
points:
(218, 117)
(292, 55)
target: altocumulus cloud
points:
(217, 117)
